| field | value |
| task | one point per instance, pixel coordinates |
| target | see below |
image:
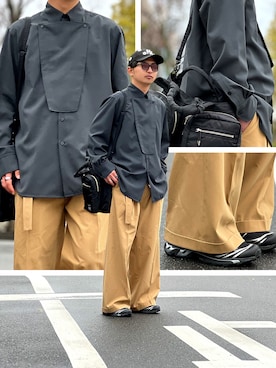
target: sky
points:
(266, 10)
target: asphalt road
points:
(207, 320)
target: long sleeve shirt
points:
(141, 147)
(72, 64)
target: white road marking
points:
(236, 338)
(217, 356)
(78, 348)
(46, 295)
(240, 364)
(197, 294)
(250, 324)
(200, 343)
(219, 149)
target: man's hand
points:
(6, 181)
(112, 178)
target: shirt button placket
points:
(61, 120)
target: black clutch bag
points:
(6, 205)
(211, 129)
(97, 193)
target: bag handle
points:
(192, 105)
(203, 74)
(181, 48)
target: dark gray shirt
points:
(71, 66)
(226, 42)
(141, 147)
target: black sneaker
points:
(245, 253)
(175, 251)
(264, 239)
(151, 309)
(123, 312)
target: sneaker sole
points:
(264, 248)
(118, 315)
(150, 311)
(226, 262)
(208, 259)
(179, 253)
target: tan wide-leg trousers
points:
(44, 227)
(213, 197)
(132, 265)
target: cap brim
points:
(157, 58)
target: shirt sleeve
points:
(8, 76)
(225, 25)
(100, 137)
(119, 63)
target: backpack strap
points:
(117, 124)
(22, 53)
(181, 48)
(20, 74)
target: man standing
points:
(74, 60)
(137, 173)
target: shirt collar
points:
(137, 91)
(76, 14)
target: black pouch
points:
(97, 193)
(211, 129)
(6, 205)
(194, 122)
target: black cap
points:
(144, 54)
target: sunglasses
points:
(145, 66)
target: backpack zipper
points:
(205, 131)
(96, 182)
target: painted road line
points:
(218, 357)
(250, 324)
(227, 364)
(46, 295)
(236, 338)
(196, 294)
(78, 348)
(203, 345)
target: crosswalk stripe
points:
(243, 342)
(78, 348)
(58, 296)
